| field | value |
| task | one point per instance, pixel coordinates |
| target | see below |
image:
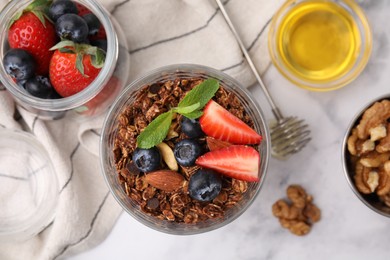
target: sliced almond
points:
(168, 156)
(165, 180)
(215, 144)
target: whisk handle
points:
(275, 109)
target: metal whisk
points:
(288, 134)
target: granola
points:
(176, 206)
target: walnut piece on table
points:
(296, 227)
(297, 195)
(299, 215)
(285, 211)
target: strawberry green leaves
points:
(38, 4)
(63, 44)
(98, 56)
(41, 16)
(38, 8)
(190, 106)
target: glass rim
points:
(360, 63)
(46, 209)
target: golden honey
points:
(318, 41)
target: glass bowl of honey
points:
(320, 45)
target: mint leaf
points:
(156, 131)
(190, 106)
(186, 110)
(201, 93)
(193, 115)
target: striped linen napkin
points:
(159, 33)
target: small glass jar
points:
(95, 98)
(110, 130)
(320, 45)
(29, 187)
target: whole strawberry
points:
(33, 32)
(74, 66)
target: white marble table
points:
(348, 229)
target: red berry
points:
(82, 10)
(66, 79)
(237, 161)
(105, 96)
(101, 35)
(219, 123)
(30, 34)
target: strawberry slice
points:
(219, 123)
(237, 161)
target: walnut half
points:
(300, 215)
(374, 116)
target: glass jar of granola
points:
(167, 199)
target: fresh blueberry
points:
(19, 64)
(72, 27)
(147, 160)
(191, 127)
(40, 86)
(21, 82)
(92, 22)
(102, 44)
(187, 151)
(61, 7)
(205, 185)
(54, 95)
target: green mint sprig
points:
(190, 106)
